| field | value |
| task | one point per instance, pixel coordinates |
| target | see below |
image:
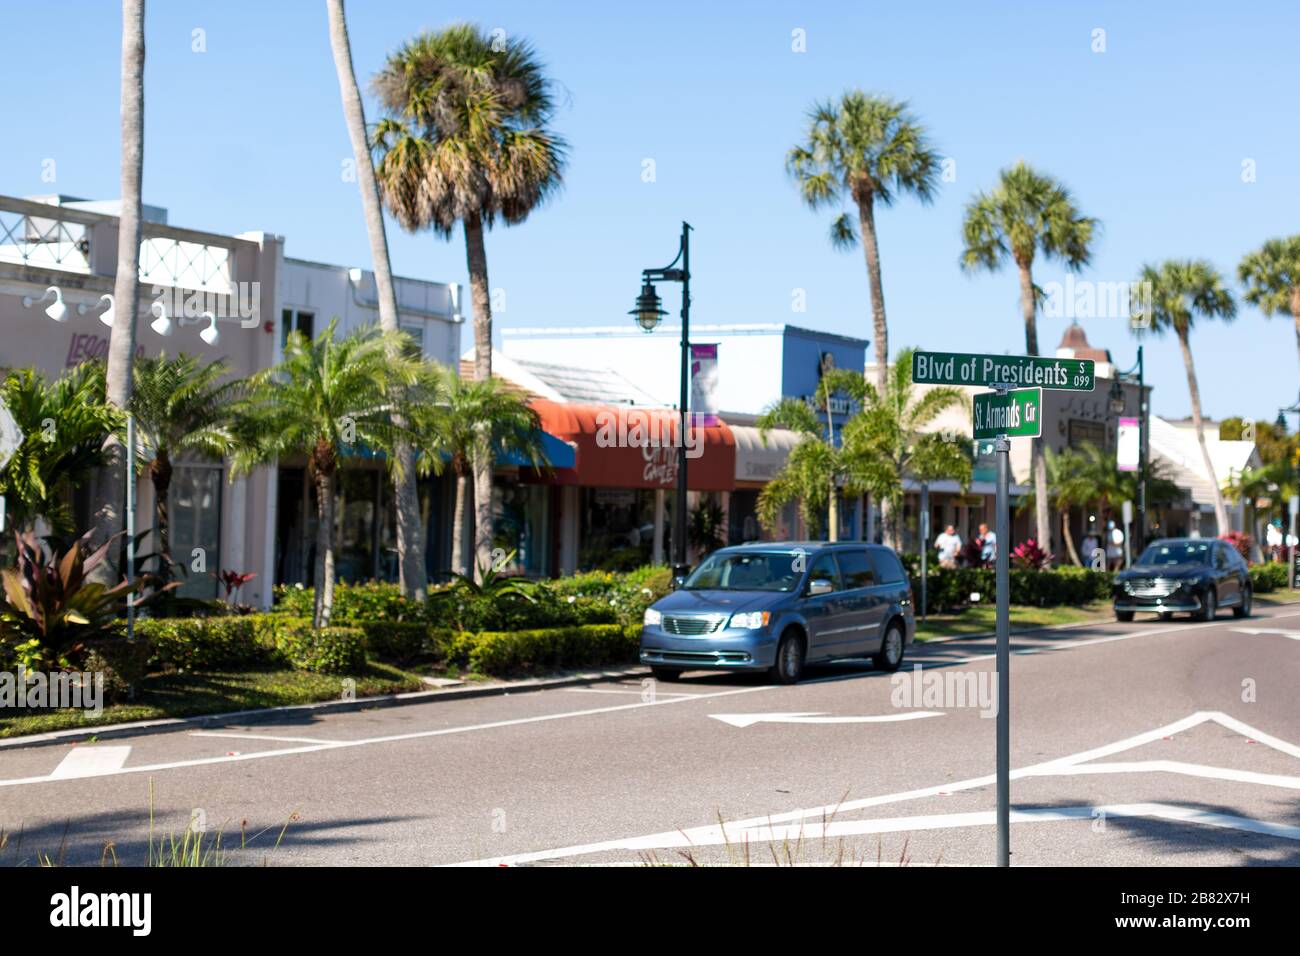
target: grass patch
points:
(982, 619)
(190, 695)
(1280, 596)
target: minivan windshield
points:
(747, 571)
(1176, 552)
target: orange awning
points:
(628, 446)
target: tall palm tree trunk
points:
(406, 498)
(880, 327)
(476, 256)
(1042, 511)
(324, 576)
(833, 514)
(126, 284)
(1220, 509)
(1068, 535)
(160, 473)
(1295, 314)
(458, 527)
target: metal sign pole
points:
(925, 543)
(130, 524)
(1002, 449)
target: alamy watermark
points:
(1086, 299)
(36, 690)
(641, 428)
(946, 689)
(242, 302)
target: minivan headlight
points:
(751, 620)
(652, 618)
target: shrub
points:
(371, 601)
(123, 663)
(399, 642)
(330, 650)
(950, 588)
(1268, 576)
(496, 652)
(237, 642)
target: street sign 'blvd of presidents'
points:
(957, 368)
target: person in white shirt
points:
(949, 546)
(1091, 544)
(1114, 546)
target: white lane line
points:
(391, 738)
(89, 762)
(717, 836)
(287, 740)
(1294, 635)
(639, 693)
(1174, 766)
(735, 830)
(814, 717)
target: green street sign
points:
(960, 368)
(1017, 414)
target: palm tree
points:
(406, 500)
(1182, 290)
(871, 149)
(1271, 275)
(64, 426)
(325, 397)
(453, 426)
(126, 283)
(465, 140)
(890, 439)
(1027, 213)
(180, 406)
(1070, 484)
(810, 473)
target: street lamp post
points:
(1292, 570)
(1117, 404)
(648, 314)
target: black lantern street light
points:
(648, 314)
(1117, 405)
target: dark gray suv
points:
(776, 606)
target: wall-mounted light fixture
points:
(56, 310)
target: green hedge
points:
(237, 642)
(508, 652)
(591, 598)
(1269, 576)
(330, 650)
(951, 588)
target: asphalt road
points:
(1132, 744)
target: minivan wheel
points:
(1243, 609)
(892, 648)
(1209, 605)
(666, 674)
(789, 659)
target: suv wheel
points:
(1209, 605)
(1123, 615)
(789, 659)
(1243, 609)
(892, 648)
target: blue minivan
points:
(775, 606)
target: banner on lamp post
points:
(1128, 445)
(704, 385)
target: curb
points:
(269, 714)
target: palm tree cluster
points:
(888, 437)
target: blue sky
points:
(1150, 135)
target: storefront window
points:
(523, 526)
(617, 528)
(357, 510)
(195, 522)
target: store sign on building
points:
(660, 465)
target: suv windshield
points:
(1177, 552)
(748, 571)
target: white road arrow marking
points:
(1294, 635)
(90, 762)
(746, 720)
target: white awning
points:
(759, 461)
